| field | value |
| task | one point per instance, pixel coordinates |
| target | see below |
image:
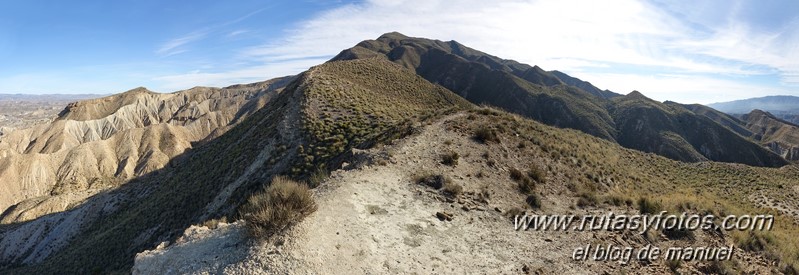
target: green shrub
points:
(587, 199)
(526, 185)
(533, 201)
(452, 189)
(432, 180)
(284, 203)
(484, 134)
(537, 174)
(450, 158)
(647, 206)
(515, 174)
(318, 177)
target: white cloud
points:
(250, 74)
(571, 36)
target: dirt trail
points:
(375, 220)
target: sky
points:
(685, 51)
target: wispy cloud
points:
(175, 46)
(570, 36)
(237, 33)
(245, 74)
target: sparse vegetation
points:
(647, 206)
(537, 174)
(433, 180)
(451, 188)
(533, 201)
(450, 158)
(674, 265)
(720, 267)
(527, 181)
(586, 199)
(284, 203)
(513, 212)
(485, 134)
(439, 182)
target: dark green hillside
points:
(680, 134)
(584, 85)
(731, 122)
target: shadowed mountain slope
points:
(586, 86)
(557, 99)
(486, 79)
(677, 133)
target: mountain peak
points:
(138, 90)
(635, 94)
(393, 35)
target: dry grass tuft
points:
(284, 203)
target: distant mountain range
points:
(782, 106)
(772, 104)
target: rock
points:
(444, 216)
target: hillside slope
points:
(677, 133)
(289, 135)
(375, 217)
(98, 144)
(778, 135)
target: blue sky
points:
(686, 51)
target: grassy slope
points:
(595, 168)
(354, 104)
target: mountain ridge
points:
(484, 79)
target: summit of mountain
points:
(557, 99)
(486, 79)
